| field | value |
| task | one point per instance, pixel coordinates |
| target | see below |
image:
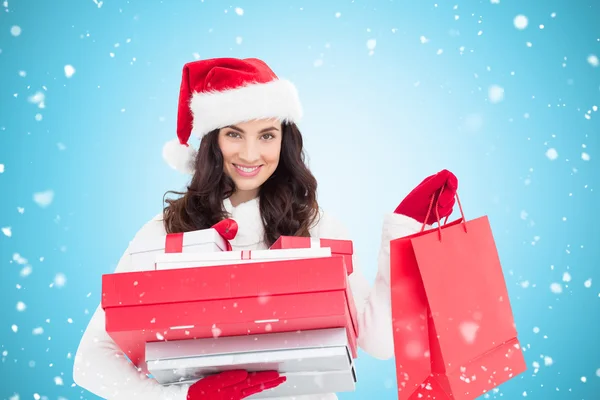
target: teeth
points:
(244, 169)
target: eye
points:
(233, 134)
(268, 136)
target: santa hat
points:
(224, 91)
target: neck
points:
(241, 196)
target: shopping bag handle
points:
(437, 214)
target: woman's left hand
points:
(416, 204)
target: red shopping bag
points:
(454, 332)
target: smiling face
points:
(251, 153)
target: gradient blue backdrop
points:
(376, 124)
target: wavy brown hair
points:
(288, 199)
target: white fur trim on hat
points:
(179, 157)
(275, 99)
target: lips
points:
(247, 170)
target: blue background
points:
(391, 118)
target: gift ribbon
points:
(226, 228)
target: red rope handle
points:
(462, 214)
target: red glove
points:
(416, 204)
(233, 385)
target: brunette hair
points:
(288, 199)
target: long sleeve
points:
(373, 303)
(101, 368)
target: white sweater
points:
(101, 368)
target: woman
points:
(250, 167)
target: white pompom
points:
(179, 157)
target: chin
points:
(248, 184)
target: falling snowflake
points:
(520, 22)
(239, 11)
(469, 331)
(585, 156)
(15, 30)
(371, 44)
(588, 283)
(43, 199)
(7, 230)
(593, 60)
(69, 71)
(556, 288)
(552, 154)
(60, 280)
(495, 94)
(216, 332)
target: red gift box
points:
(338, 247)
(230, 300)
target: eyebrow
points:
(271, 128)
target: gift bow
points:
(227, 228)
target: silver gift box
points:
(314, 361)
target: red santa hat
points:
(219, 92)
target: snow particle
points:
(556, 288)
(566, 277)
(588, 283)
(216, 332)
(495, 1)
(520, 22)
(552, 154)
(548, 361)
(15, 30)
(598, 372)
(318, 63)
(423, 40)
(1, 168)
(58, 381)
(21, 306)
(585, 156)
(338, 14)
(593, 60)
(43, 199)
(371, 43)
(469, 331)
(7, 231)
(69, 71)
(536, 329)
(239, 11)
(38, 331)
(238, 40)
(14, 328)
(60, 280)
(495, 94)
(583, 379)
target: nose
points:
(250, 151)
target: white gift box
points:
(144, 251)
(314, 361)
(192, 260)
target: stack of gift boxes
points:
(201, 309)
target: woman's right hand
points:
(234, 385)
